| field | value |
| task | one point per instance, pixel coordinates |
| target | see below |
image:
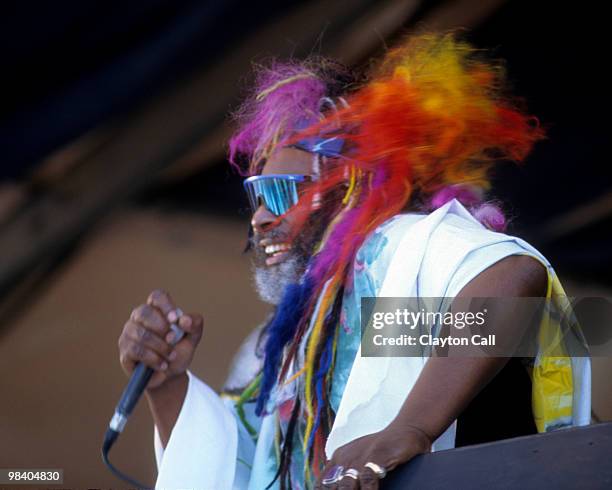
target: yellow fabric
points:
(552, 377)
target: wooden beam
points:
(565, 459)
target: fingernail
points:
(164, 366)
(172, 316)
(172, 355)
(185, 321)
(170, 337)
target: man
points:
(358, 190)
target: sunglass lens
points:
(277, 194)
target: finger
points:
(319, 486)
(327, 473)
(157, 379)
(329, 486)
(192, 326)
(348, 483)
(137, 352)
(368, 480)
(140, 334)
(151, 318)
(124, 358)
(161, 300)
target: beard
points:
(272, 280)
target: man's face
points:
(278, 260)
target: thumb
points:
(192, 325)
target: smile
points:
(276, 252)
(276, 248)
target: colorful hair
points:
(283, 95)
(426, 128)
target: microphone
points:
(132, 393)
(129, 398)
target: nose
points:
(262, 219)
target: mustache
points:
(254, 238)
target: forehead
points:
(289, 161)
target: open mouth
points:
(275, 252)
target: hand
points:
(147, 338)
(387, 448)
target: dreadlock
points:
(426, 127)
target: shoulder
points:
(501, 264)
(461, 256)
(512, 276)
(451, 251)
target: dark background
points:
(113, 181)
(70, 67)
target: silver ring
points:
(351, 473)
(178, 331)
(378, 470)
(333, 475)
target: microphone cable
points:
(129, 398)
(138, 381)
(109, 439)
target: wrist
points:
(169, 388)
(165, 402)
(413, 433)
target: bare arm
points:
(445, 386)
(450, 383)
(165, 403)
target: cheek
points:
(297, 218)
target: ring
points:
(378, 470)
(351, 473)
(178, 332)
(333, 475)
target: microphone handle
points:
(138, 382)
(129, 398)
(134, 389)
(132, 393)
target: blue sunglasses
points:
(277, 192)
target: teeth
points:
(277, 247)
